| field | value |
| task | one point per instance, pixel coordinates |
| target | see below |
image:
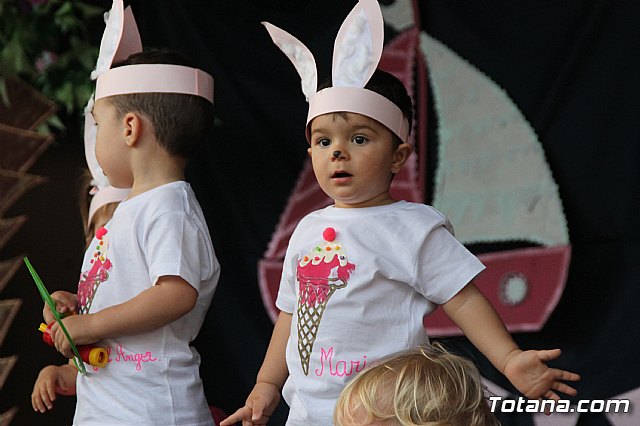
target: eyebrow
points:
(365, 127)
(356, 128)
(313, 132)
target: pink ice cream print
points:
(320, 273)
(98, 274)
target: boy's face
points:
(110, 144)
(354, 158)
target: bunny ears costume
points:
(120, 39)
(356, 54)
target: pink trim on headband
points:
(361, 101)
(106, 195)
(155, 78)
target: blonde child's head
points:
(424, 386)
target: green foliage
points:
(48, 44)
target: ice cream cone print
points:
(99, 273)
(320, 273)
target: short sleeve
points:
(175, 245)
(444, 266)
(286, 300)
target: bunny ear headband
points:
(119, 40)
(356, 54)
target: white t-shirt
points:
(151, 378)
(362, 295)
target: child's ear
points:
(400, 156)
(309, 151)
(132, 128)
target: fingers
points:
(548, 355)
(258, 410)
(247, 416)
(43, 396)
(242, 414)
(65, 303)
(560, 377)
(47, 315)
(259, 422)
(64, 300)
(551, 395)
(60, 342)
(567, 376)
(40, 401)
(564, 388)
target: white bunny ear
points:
(130, 41)
(119, 40)
(358, 46)
(299, 55)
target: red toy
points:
(92, 355)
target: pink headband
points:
(361, 101)
(155, 78)
(356, 54)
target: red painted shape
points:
(544, 269)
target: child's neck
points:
(156, 170)
(379, 200)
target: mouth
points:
(340, 174)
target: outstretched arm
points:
(264, 397)
(526, 370)
(171, 298)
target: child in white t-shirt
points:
(360, 275)
(149, 274)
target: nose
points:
(337, 154)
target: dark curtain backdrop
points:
(571, 66)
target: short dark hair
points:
(180, 121)
(387, 85)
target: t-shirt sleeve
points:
(444, 266)
(175, 245)
(286, 300)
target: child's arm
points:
(171, 298)
(264, 397)
(52, 380)
(527, 370)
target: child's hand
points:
(52, 380)
(65, 303)
(528, 372)
(78, 327)
(261, 403)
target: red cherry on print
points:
(100, 232)
(329, 234)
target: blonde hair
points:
(425, 386)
